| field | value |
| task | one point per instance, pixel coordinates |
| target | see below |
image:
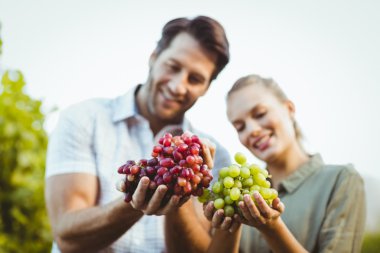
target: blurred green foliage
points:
(371, 243)
(24, 225)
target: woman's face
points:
(263, 122)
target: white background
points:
(325, 54)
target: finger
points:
(278, 205)
(251, 208)
(138, 198)
(120, 185)
(263, 207)
(170, 206)
(208, 210)
(183, 200)
(155, 202)
(235, 223)
(217, 218)
(208, 149)
(211, 146)
(226, 223)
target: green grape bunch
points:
(234, 182)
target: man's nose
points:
(178, 84)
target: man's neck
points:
(156, 124)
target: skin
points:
(265, 126)
(177, 78)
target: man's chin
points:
(169, 116)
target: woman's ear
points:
(291, 107)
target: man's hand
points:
(218, 220)
(208, 152)
(154, 205)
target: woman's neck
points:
(285, 164)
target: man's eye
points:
(194, 80)
(173, 67)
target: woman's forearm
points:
(280, 239)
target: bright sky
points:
(325, 54)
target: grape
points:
(247, 182)
(228, 200)
(238, 180)
(240, 158)
(223, 172)
(228, 182)
(229, 211)
(233, 170)
(244, 172)
(235, 193)
(254, 188)
(238, 184)
(226, 191)
(176, 162)
(219, 203)
(254, 169)
(260, 179)
(217, 187)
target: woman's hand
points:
(261, 216)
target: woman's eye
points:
(239, 127)
(259, 115)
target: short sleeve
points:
(343, 226)
(222, 159)
(70, 147)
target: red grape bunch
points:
(236, 180)
(176, 162)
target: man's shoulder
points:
(222, 155)
(90, 105)
(88, 109)
(202, 134)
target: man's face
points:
(179, 75)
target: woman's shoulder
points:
(342, 172)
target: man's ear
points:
(152, 58)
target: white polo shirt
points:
(96, 137)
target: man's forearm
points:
(184, 232)
(224, 241)
(94, 228)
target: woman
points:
(325, 205)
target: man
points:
(94, 138)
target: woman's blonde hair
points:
(270, 85)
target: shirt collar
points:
(125, 107)
(294, 180)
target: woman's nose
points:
(254, 128)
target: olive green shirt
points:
(324, 209)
